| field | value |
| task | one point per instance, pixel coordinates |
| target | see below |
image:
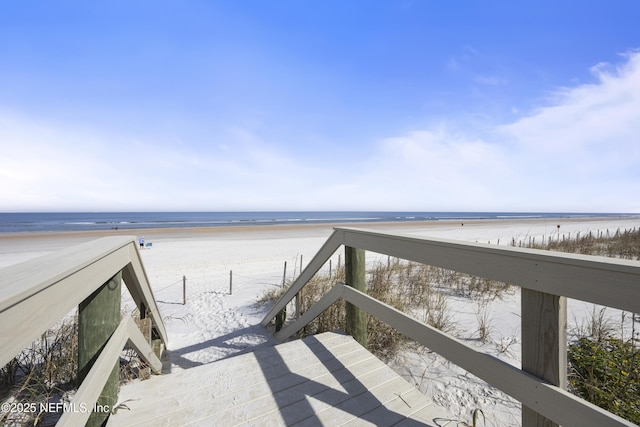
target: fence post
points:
(282, 314)
(146, 329)
(230, 282)
(355, 276)
(184, 290)
(284, 274)
(544, 344)
(98, 318)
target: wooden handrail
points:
(35, 294)
(547, 399)
(90, 389)
(546, 277)
(570, 275)
(564, 274)
(321, 257)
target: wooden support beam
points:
(145, 329)
(98, 318)
(281, 317)
(355, 276)
(544, 345)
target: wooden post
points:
(184, 290)
(98, 318)
(300, 264)
(284, 275)
(355, 276)
(544, 344)
(230, 282)
(145, 328)
(282, 314)
(280, 318)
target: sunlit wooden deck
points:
(327, 379)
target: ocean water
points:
(87, 221)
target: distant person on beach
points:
(141, 241)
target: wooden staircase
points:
(327, 379)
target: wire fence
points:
(224, 282)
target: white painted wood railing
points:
(546, 279)
(35, 294)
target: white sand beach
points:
(214, 324)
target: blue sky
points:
(320, 105)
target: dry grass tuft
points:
(623, 244)
(418, 289)
(46, 372)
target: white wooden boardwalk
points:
(328, 379)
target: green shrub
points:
(607, 374)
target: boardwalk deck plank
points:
(219, 395)
(326, 379)
(294, 352)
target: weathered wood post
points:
(280, 319)
(297, 300)
(284, 274)
(145, 328)
(184, 290)
(544, 344)
(282, 314)
(355, 276)
(98, 318)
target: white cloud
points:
(580, 152)
(433, 170)
(591, 130)
(56, 167)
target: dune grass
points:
(46, 372)
(409, 287)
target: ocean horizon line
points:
(89, 221)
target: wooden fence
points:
(546, 280)
(36, 294)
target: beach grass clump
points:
(46, 372)
(484, 317)
(413, 288)
(607, 373)
(332, 318)
(604, 365)
(41, 373)
(274, 293)
(623, 244)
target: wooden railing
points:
(546, 280)
(36, 294)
